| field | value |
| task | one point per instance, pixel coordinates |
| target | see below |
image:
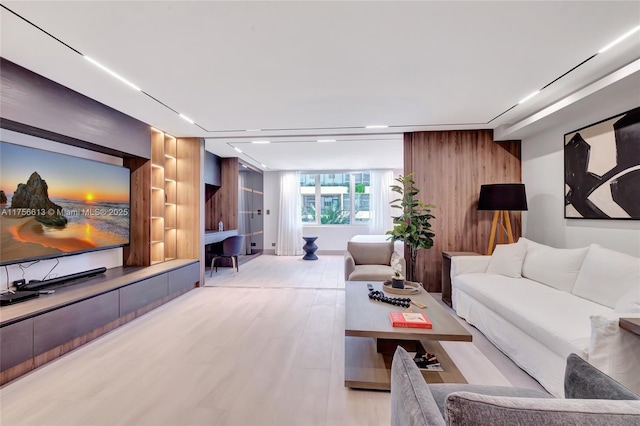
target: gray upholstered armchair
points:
(371, 261)
(591, 398)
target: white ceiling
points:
(301, 71)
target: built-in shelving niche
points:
(164, 189)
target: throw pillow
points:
(629, 302)
(557, 268)
(584, 381)
(507, 260)
(606, 275)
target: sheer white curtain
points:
(380, 195)
(290, 221)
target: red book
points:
(410, 320)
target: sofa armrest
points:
(614, 350)
(472, 408)
(412, 403)
(468, 264)
(349, 265)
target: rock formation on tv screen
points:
(3, 197)
(35, 195)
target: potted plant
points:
(412, 225)
(397, 280)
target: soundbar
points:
(35, 284)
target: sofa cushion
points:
(371, 273)
(465, 408)
(606, 275)
(507, 260)
(629, 302)
(584, 381)
(557, 319)
(441, 390)
(370, 253)
(411, 400)
(554, 267)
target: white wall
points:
(272, 205)
(543, 175)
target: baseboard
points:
(331, 252)
(319, 252)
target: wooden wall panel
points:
(189, 197)
(449, 167)
(223, 203)
(33, 104)
(138, 253)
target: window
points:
(308, 192)
(343, 198)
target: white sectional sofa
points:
(538, 304)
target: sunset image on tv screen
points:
(54, 204)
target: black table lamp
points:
(502, 197)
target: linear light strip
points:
(604, 49)
(112, 73)
(619, 39)
(99, 65)
(526, 98)
(248, 156)
(185, 118)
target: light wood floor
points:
(264, 346)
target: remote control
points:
(370, 287)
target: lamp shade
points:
(502, 196)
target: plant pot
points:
(397, 282)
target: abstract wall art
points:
(602, 169)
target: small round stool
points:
(310, 248)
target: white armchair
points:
(371, 261)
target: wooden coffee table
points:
(370, 340)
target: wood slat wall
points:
(222, 204)
(449, 167)
(138, 252)
(190, 198)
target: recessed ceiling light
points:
(184, 117)
(237, 149)
(118, 76)
(326, 140)
(525, 99)
(376, 126)
(260, 141)
(619, 39)
(253, 130)
(264, 166)
(245, 166)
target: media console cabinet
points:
(40, 330)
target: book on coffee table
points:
(428, 361)
(410, 320)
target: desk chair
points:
(232, 247)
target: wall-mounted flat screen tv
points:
(54, 205)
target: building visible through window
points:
(343, 198)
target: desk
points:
(211, 237)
